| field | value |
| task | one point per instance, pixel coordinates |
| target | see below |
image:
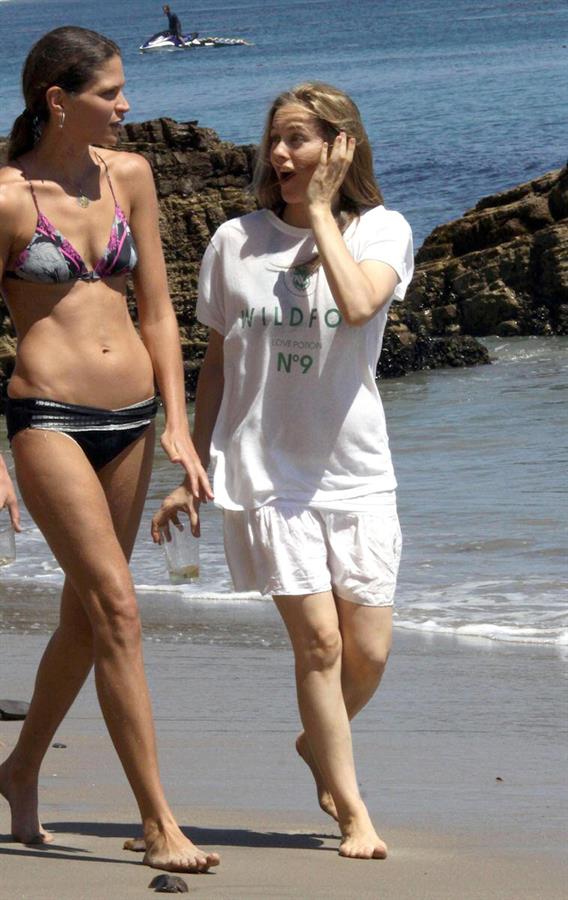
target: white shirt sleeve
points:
(211, 294)
(386, 237)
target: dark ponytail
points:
(23, 135)
(67, 57)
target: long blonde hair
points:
(335, 111)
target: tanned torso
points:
(76, 341)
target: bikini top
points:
(50, 258)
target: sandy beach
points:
(452, 717)
(279, 857)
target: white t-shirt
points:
(301, 418)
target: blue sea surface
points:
(481, 466)
(461, 98)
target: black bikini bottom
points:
(101, 433)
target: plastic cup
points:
(7, 539)
(182, 555)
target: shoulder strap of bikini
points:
(23, 171)
(107, 173)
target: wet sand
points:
(451, 718)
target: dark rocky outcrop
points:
(502, 268)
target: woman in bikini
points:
(296, 297)
(75, 223)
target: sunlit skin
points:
(96, 113)
(102, 105)
(65, 162)
(92, 116)
(78, 344)
(308, 172)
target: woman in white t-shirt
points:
(296, 298)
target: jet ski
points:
(165, 40)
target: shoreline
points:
(474, 563)
(451, 718)
(170, 614)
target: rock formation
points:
(502, 268)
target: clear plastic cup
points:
(182, 554)
(7, 539)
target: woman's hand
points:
(8, 496)
(180, 500)
(179, 448)
(330, 171)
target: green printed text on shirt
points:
(293, 317)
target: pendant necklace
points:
(82, 199)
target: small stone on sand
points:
(169, 884)
(13, 710)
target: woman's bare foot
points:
(137, 845)
(360, 840)
(325, 799)
(21, 793)
(168, 849)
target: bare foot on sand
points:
(137, 845)
(360, 840)
(325, 799)
(21, 793)
(168, 849)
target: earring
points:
(61, 118)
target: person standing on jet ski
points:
(174, 24)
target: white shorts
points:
(287, 549)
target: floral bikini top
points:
(50, 258)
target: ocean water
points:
(460, 99)
(483, 505)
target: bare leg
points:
(66, 662)
(68, 658)
(313, 625)
(69, 504)
(366, 634)
(367, 637)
